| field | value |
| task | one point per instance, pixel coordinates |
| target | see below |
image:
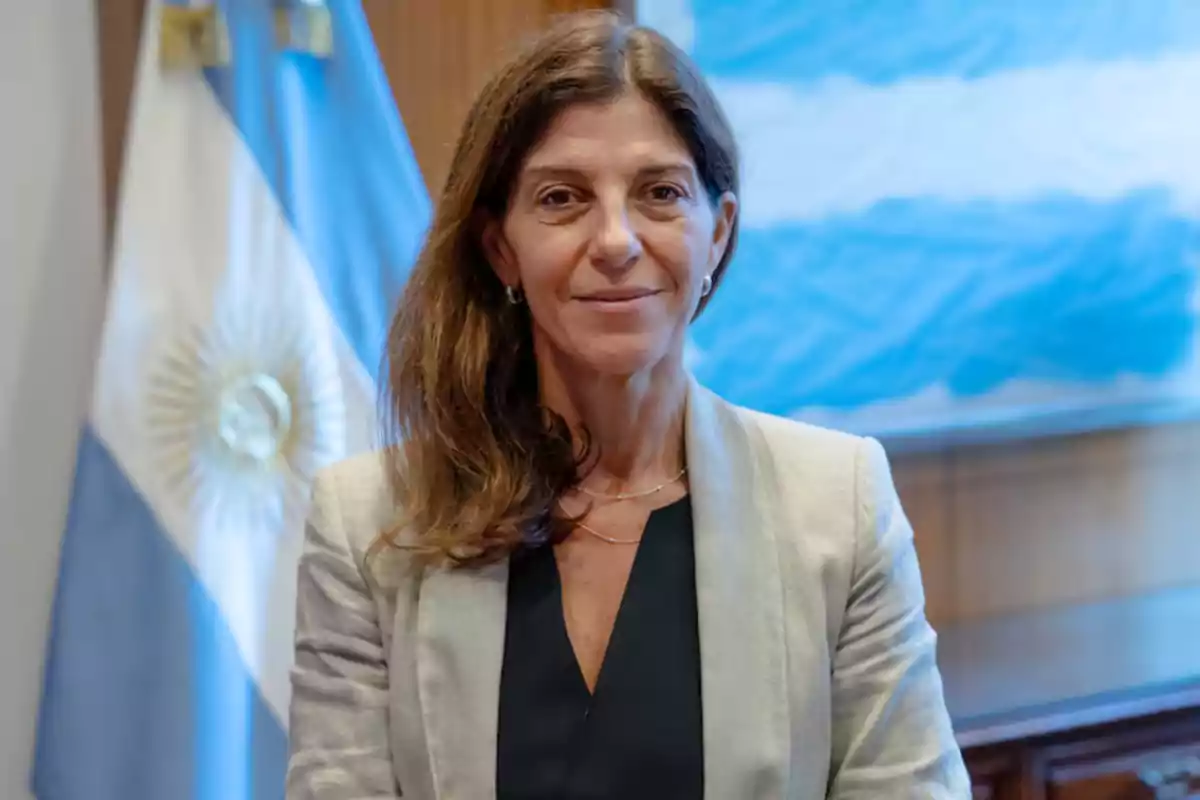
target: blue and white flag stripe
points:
(269, 213)
(289, 109)
(142, 671)
(886, 41)
(1095, 131)
(969, 319)
(957, 216)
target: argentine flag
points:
(960, 218)
(270, 209)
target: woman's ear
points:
(724, 215)
(496, 249)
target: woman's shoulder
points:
(806, 446)
(355, 495)
(822, 466)
(787, 439)
(362, 477)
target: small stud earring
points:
(706, 284)
(513, 294)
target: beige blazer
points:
(817, 663)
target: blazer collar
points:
(461, 619)
(460, 649)
(740, 598)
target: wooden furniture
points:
(1097, 701)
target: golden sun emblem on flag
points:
(241, 414)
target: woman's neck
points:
(633, 424)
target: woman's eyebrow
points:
(667, 168)
(680, 171)
(549, 171)
(539, 172)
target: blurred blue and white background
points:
(961, 219)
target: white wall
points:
(50, 306)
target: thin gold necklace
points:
(589, 530)
(633, 495)
(614, 498)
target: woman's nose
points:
(615, 243)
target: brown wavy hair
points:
(477, 463)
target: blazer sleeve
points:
(339, 708)
(892, 735)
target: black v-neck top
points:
(639, 735)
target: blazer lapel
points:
(740, 598)
(460, 650)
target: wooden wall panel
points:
(1035, 524)
(118, 25)
(924, 491)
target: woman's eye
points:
(665, 193)
(556, 198)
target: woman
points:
(581, 574)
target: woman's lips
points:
(617, 297)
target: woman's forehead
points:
(627, 133)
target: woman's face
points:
(609, 235)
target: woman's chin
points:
(625, 357)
